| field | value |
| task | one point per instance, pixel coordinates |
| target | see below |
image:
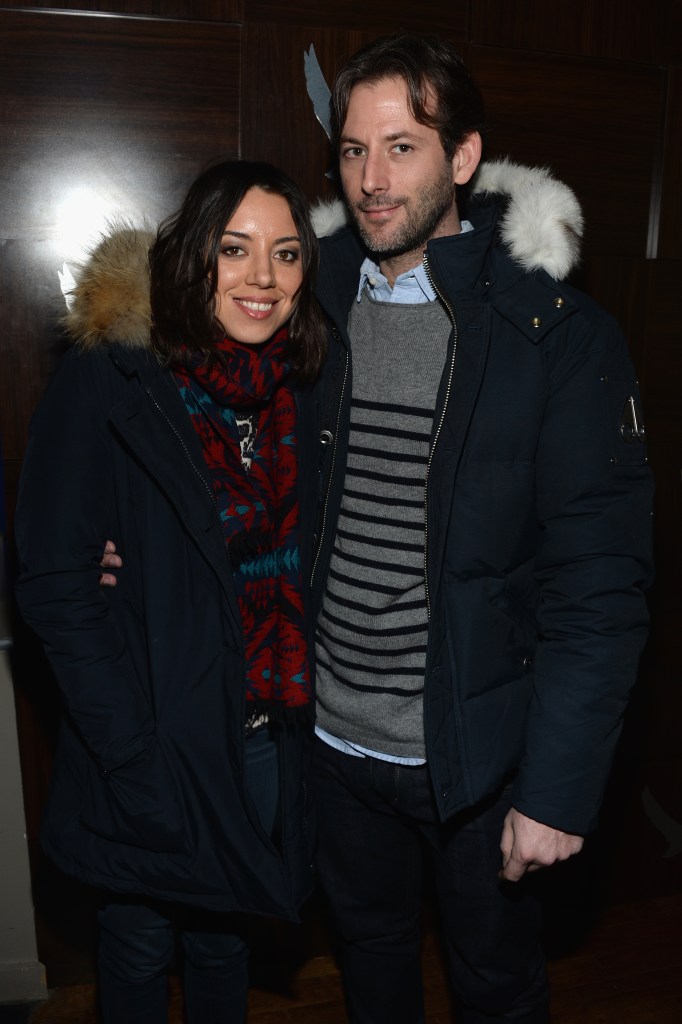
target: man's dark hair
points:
(427, 66)
(184, 265)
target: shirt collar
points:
(412, 286)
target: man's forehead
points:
(385, 100)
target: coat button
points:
(527, 662)
(536, 321)
(559, 302)
(326, 437)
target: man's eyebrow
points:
(392, 137)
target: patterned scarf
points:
(258, 509)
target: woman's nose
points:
(261, 272)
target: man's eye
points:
(353, 152)
(403, 147)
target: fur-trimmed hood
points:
(110, 301)
(541, 227)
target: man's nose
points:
(375, 176)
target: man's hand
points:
(110, 560)
(528, 845)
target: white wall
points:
(22, 977)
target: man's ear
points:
(467, 158)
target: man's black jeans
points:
(378, 832)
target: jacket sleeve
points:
(594, 495)
(65, 513)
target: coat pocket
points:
(137, 804)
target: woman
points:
(176, 425)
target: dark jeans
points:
(378, 829)
(137, 937)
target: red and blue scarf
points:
(258, 509)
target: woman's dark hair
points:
(184, 266)
(428, 66)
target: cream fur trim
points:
(542, 226)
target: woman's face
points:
(260, 268)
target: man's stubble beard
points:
(422, 220)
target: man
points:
(483, 544)
(483, 547)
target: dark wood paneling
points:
(596, 123)
(278, 123)
(661, 367)
(190, 10)
(384, 17)
(95, 125)
(670, 222)
(621, 29)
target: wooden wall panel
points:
(383, 17)
(94, 127)
(658, 291)
(278, 122)
(596, 123)
(619, 29)
(669, 242)
(190, 10)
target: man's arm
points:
(593, 562)
(528, 845)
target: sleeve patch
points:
(625, 421)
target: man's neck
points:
(396, 265)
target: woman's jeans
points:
(137, 937)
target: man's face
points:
(398, 183)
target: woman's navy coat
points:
(147, 791)
(538, 526)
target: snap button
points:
(326, 437)
(536, 321)
(559, 302)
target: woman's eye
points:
(288, 255)
(232, 250)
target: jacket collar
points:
(541, 225)
(457, 261)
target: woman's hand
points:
(110, 560)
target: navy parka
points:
(147, 792)
(538, 533)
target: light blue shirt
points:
(409, 288)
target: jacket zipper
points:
(331, 474)
(451, 313)
(185, 449)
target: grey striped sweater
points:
(371, 642)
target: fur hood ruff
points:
(541, 228)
